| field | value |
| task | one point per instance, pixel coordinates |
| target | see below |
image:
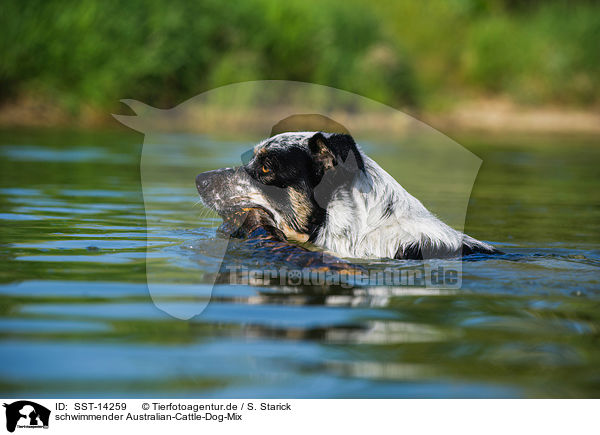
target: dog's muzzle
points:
(225, 190)
(202, 181)
(217, 183)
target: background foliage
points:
(405, 53)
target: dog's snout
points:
(218, 187)
(202, 180)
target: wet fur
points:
(257, 226)
(322, 188)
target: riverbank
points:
(482, 116)
(504, 116)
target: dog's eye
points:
(264, 169)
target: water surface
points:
(76, 318)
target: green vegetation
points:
(405, 53)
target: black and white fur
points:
(321, 188)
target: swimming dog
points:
(322, 188)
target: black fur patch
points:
(282, 165)
(417, 252)
(389, 208)
(338, 145)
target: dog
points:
(321, 188)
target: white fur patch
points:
(359, 223)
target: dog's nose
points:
(202, 180)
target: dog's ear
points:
(329, 149)
(321, 152)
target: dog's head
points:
(292, 176)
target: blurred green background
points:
(76, 240)
(425, 55)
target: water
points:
(76, 318)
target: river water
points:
(77, 320)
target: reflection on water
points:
(74, 291)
